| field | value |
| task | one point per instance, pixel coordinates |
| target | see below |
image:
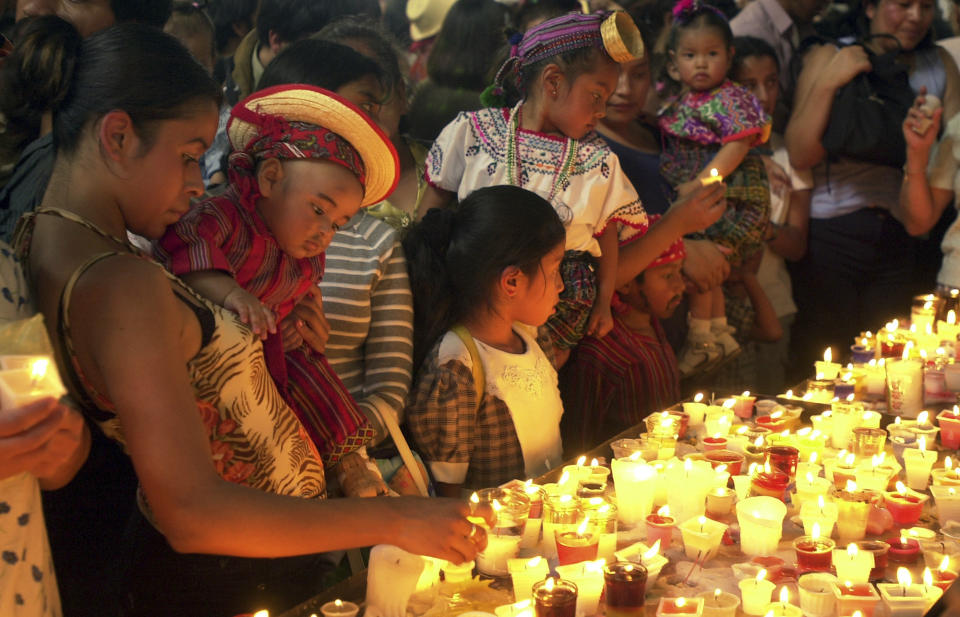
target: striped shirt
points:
(367, 301)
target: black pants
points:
(156, 580)
(860, 271)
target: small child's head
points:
(193, 27)
(756, 68)
(569, 65)
(330, 66)
(497, 253)
(700, 45)
(658, 290)
(307, 160)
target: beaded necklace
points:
(513, 160)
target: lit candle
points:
(813, 552)
(555, 598)
(755, 594)
(339, 608)
(906, 599)
(19, 387)
(588, 578)
(697, 410)
(905, 386)
(783, 608)
(714, 177)
(949, 422)
(820, 512)
(701, 538)
(905, 507)
(579, 545)
(853, 564)
(635, 486)
(660, 527)
(524, 573)
(919, 463)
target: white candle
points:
(588, 577)
(853, 565)
(524, 573)
(761, 524)
(919, 462)
(828, 368)
(821, 512)
(755, 594)
(701, 538)
(635, 488)
(905, 387)
(19, 387)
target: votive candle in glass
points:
(625, 588)
(852, 564)
(555, 597)
(755, 594)
(814, 554)
(853, 509)
(879, 550)
(660, 527)
(719, 603)
(868, 442)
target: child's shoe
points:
(699, 352)
(725, 341)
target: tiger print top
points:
(255, 438)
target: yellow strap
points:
(478, 378)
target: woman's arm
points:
(728, 158)
(825, 70)
(790, 240)
(921, 204)
(133, 338)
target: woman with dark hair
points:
(230, 501)
(459, 66)
(860, 260)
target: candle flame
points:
(475, 498)
(729, 403)
(813, 457)
(847, 376)
(927, 577)
(828, 355)
(496, 505)
(743, 429)
(523, 604)
(776, 415)
(815, 531)
(807, 430)
(745, 393)
(596, 501)
(698, 397)
(762, 574)
(635, 456)
(923, 417)
(903, 577)
(664, 511)
(952, 317)
(683, 601)
(716, 594)
(851, 486)
(564, 478)
(262, 614)
(758, 442)
(820, 502)
(850, 398)
(852, 550)
(582, 529)
(922, 443)
(851, 458)
(857, 614)
(945, 564)
(39, 370)
(784, 595)
(581, 461)
(549, 584)
(338, 602)
(651, 552)
(901, 488)
(956, 410)
(904, 540)
(702, 520)
(566, 498)
(951, 491)
(687, 465)
(533, 563)
(789, 393)
(752, 469)
(594, 463)
(809, 477)
(714, 173)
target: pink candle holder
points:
(733, 460)
(660, 528)
(772, 484)
(814, 554)
(903, 552)
(949, 429)
(714, 443)
(774, 425)
(944, 578)
(904, 508)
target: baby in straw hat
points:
(304, 161)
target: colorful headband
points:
(686, 10)
(675, 252)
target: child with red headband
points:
(304, 162)
(612, 383)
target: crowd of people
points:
(314, 270)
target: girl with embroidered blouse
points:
(484, 276)
(566, 69)
(711, 125)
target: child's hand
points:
(251, 311)
(601, 320)
(306, 324)
(780, 182)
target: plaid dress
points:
(478, 443)
(694, 126)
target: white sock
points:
(718, 323)
(699, 327)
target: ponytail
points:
(456, 256)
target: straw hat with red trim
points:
(303, 103)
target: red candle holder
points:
(854, 597)
(733, 460)
(714, 443)
(879, 550)
(944, 578)
(683, 421)
(573, 547)
(771, 484)
(814, 554)
(842, 473)
(949, 429)
(900, 552)
(905, 509)
(660, 528)
(891, 349)
(783, 459)
(774, 425)
(625, 585)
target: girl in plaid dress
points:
(712, 125)
(485, 276)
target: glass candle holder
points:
(772, 484)
(868, 442)
(604, 516)
(576, 545)
(555, 598)
(814, 554)
(623, 448)
(625, 585)
(504, 537)
(853, 508)
(783, 459)
(559, 513)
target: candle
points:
(868, 442)
(718, 420)
(769, 483)
(783, 608)
(905, 507)
(733, 461)
(559, 513)
(948, 503)
(816, 594)
(524, 573)
(918, 463)
(635, 486)
(696, 410)
(717, 442)
(924, 311)
(339, 608)
(903, 549)
(720, 502)
(783, 459)
(906, 599)
(625, 588)
(761, 524)
(701, 538)
(822, 512)
(503, 539)
(718, 603)
(19, 387)
(949, 422)
(660, 527)
(853, 564)
(712, 178)
(904, 387)
(743, 405)
(853, 508)
(680, 607)
(523, 608)
(578, 545)
(555, 598)
(872, 477)
(605, 519)
(856, 597)
(648, 556)
(828, 368)
(588, 577)
(814, 553)
(755, 593)
(943, 577)
(879, 551)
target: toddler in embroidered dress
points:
(304, 162)
(565, 69)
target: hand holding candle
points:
(714, 177)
